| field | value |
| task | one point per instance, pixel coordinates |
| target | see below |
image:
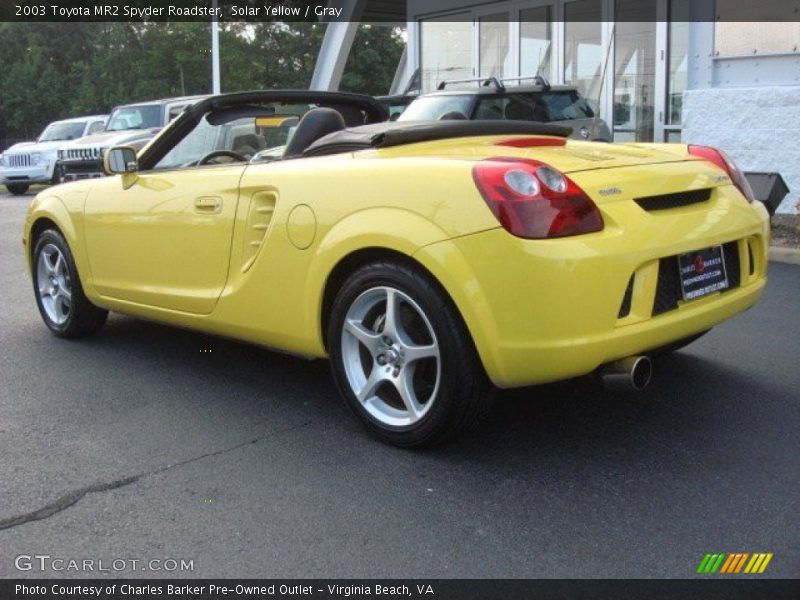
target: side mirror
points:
(120, 159)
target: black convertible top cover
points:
(397, 133)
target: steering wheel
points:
(220, 153)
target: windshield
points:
(146, 116)
(56, 132)
(431, 108)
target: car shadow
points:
(675, 420)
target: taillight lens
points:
(533, 200)
(724, 162)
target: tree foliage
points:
(58, 70)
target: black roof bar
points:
(485, 81)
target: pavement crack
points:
(71, 498)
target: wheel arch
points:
(450, 275)
(350, 263)
(49, 212)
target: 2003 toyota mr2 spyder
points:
(430, 261)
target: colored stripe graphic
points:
(741, 562)
(717, 564)
(753, 560)
(766, 562)
(728, 564)
(711, 563)
(703, 563)
(734, 562)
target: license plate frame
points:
(702, 272)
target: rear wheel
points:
(403, 359)
(17, 189)
(59, 295)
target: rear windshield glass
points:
(545, 107)
(539, 106)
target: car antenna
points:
(602, 81)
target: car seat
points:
(315, 124)
(248, 144)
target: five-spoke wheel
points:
(391, 356)
(59, 294)
(402, 357)
(54, 285)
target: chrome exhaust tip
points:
(627, 374)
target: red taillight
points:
(533, 200)
(723, 161)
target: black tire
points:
(80, 317)
(17, 189)
(676, 345)
(463, 394)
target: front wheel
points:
(17, 189)
(402, 358)
(59, 295)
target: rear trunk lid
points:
(577, 156)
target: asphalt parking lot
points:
(148, 442)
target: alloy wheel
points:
(54, 284)
(391, 356)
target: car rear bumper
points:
(544, 310)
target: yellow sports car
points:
(430, 261)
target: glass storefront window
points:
(583, 52)
(493, 39)
(446, 50)
(678, 49)
(535, 41)
(634, 70)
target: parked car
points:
(491, 99)
(396, 104)
(131, 125)
(430, 261)
(27, 163)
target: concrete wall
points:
(758, 127)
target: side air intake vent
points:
(262, 207)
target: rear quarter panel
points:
(401, 204)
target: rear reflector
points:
(531, 142)
(533, 200)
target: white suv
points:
(27, 163)
(131, 125)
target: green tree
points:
(58, 70)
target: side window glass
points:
(95, 127)
(491, 109)
(201, 141)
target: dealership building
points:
(654, 70)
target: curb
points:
(785, 255)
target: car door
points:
(165, 241)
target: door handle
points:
(212, 204)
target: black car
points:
(490, 99)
